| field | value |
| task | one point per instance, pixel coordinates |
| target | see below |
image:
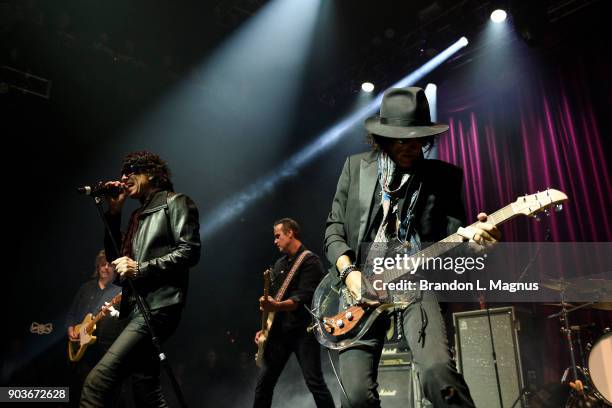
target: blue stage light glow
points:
(235, 205)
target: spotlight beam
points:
(235, 205)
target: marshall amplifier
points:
(398, 379)
(395, 354)
(395, 386)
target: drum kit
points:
(590, 376)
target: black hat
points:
(404, 114)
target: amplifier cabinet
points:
(474, 355)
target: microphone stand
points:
(547, 236)
(145, 310)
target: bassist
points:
(288, 333)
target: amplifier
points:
(398, 379)
(395, 354)
(475, 355)
(395, 386)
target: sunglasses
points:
(134, 169)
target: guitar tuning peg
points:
(558, 207)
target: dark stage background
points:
(217, 90)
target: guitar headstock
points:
(116, 299)
(541, 201)
(267, 278)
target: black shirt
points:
(89, 299)
(300, 290)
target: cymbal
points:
(559, 304)
(556, 284)
(602, 306)
(580, 285)
(594, 284)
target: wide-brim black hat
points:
(404, 114)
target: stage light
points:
(498, 16)
(367, 87)
(431, 91)
(239, 202)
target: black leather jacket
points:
(166, 245)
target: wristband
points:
(346, 271)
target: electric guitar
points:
(76, 349)
(341, 321)
(267, 318)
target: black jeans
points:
(277, 353)
(426, 336)
(132, 354)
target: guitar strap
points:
(290, 275)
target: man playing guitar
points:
(90, 298)
(288, 333)
(393, 194)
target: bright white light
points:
(431, 92)
(429, 66)
(367, 87)
(498, 16)
(238, 203)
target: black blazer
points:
(439, 210)
(166, 244)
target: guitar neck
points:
(452, 241)
(266, 293)
(103, 313)
(264, 315)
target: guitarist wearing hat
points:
(393, 194)
(288, 332)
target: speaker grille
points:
(475, 355)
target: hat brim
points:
(374, 126)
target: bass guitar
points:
(267, 318)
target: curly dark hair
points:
(428, 142)
(150, 164)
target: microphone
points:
(100, 190)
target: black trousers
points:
(278, 350)
(425, 333)
(81, 369)
(132, 355)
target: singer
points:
(160, 244)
